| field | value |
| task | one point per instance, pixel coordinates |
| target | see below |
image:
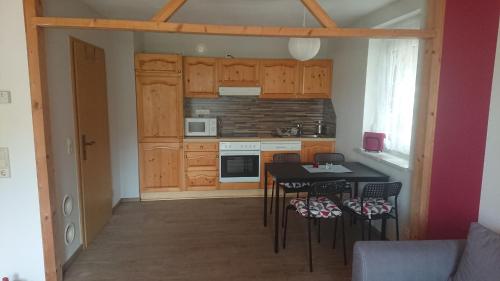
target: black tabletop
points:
(295, 172)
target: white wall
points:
(119, 49)
(490, 192)
(219, 46)
(349, 79)
(21, 252)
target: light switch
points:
(4, 163)
(5, 97)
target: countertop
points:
(258, 138)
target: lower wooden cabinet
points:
(267, 157)
(310, 148)
(160, 167)
(201, 165)
(202, 180)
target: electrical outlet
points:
(5, 97)
(202, 111)
(4, 163)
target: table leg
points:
(383, 231)
(265, 195)
(277, 216)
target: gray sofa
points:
(406, 260)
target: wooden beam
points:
(168, 10)
(319, 13)
(232, 30)
(425, 132)
(41, 128)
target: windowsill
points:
(386, 158)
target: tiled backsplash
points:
(253, 115)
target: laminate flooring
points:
(207, 239)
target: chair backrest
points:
(326, 188)
(382, 190)
(286, 158)
(334, 158)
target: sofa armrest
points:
(406, 260)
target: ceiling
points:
(238, 12)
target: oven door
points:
(239, 166)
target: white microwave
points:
(200, 127)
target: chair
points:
(284, 158)
(374, 205)
(333, 158)
(322, 202)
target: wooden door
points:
(238, 72)
(310, 148)
(159, 108)
(280, 78)
(200, 77)
(160, 166)
(316, 79)
(89, 82)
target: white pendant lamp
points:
(304, 48)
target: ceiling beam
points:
(232, 30)
(168, 10)
(319, 13)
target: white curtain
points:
(391, 79)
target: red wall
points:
(469, 47)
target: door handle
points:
(85, 143)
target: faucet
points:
(300, 128)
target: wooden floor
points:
(208, 239)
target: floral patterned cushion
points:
(292, 185)
(371, 206)
(320, 207)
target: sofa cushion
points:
(481, 258)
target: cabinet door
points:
(160, 166)
(159, 108)
(200, 77)
(310, 148)
(238, 72)
(166, 64)
(202, 180)
(316, 79)
(202, 161)
(280, 78)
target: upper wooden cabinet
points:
(166, 64)
(280, 78)
(200, 77)
(159, 108)
(316, 79)
(310, 148)
(238, 72)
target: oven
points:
(239, 162)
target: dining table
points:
(355, 173)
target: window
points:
(390, 89)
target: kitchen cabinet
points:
(166, 64)
(200, 77)
(201, 165)
(310, 148)
(238, 72)
(159, 107)
(280, 79)
(160, 166)
(316, 79)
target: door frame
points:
(35, 40)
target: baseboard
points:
(72, 259)
(211, 194)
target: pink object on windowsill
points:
(373, 141)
